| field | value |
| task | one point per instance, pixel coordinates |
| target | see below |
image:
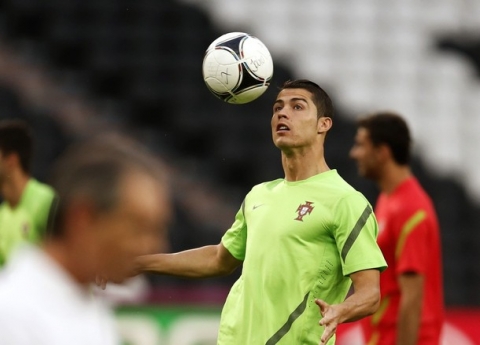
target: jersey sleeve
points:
(412, 243)
(356, 235)
(235, 239)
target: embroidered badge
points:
(303, 210)
(25, 229)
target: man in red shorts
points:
(411, 310)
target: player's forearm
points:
(359, 305)
(409, 323)
(365, 299)
(410, 309)
(195, 263)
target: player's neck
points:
(13, 187)
(393, 176)
(299, 166)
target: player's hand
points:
(330, 320)
(101, 279)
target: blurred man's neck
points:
(392, 176)
(67, 257)
(13, 187)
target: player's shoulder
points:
(340, 189)
(41, 188)
(5, 211)
(10, 292)
(267, 185)
(351, 199)
(411, 196)
(344, 194)
(38, 192)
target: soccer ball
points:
(237, 68)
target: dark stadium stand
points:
(142, 60)
(49, 137)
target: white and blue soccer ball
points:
(237, 67)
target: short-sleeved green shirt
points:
(27, 221)
(299, 241)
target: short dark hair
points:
(93, 169)
(389, 128)
(320, 98)
(16, 137)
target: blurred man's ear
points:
(78, 217)
(11, 159)
(383, 151)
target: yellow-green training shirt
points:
(27, 221)
(299, 241)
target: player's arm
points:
(208, 261)
(364, 301)
(411, 297)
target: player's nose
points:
(282, 114)
(353, 153)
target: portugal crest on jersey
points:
(25, 229)
(303, 210)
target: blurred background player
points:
(112, 206)
(310, 235)
(26, 201)
(411, 310)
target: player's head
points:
(111, 206)
(381, 137)
(16, 145)
(319, 97)
(302, 115)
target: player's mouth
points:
(282, 128)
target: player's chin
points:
(119, 277)
(281, 142)
(361, 171)
(367, 173)
(121, 274)
(287, 146)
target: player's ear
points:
(384, 151)
(12, 159)
(324, 124)
(79, 215)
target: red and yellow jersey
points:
(410, 241)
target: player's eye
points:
(276, 108)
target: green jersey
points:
(27, 221)
(299, 241)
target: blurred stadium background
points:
(77, 67)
